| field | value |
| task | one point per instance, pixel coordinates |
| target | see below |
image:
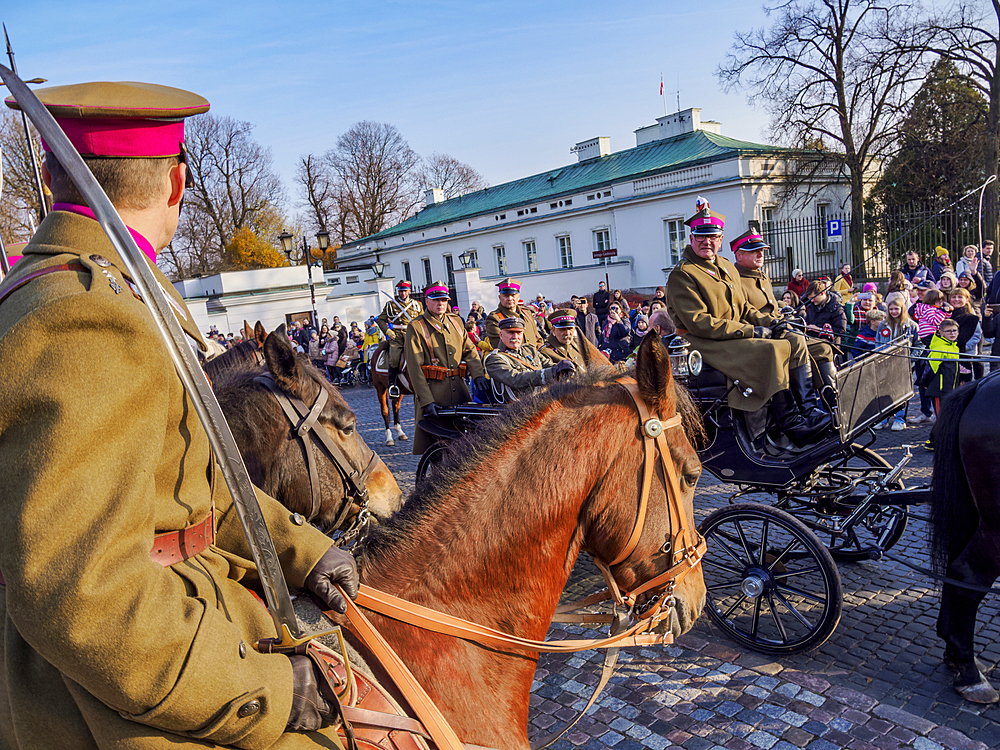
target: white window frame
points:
(428, 272)
(674, 239)
(500, 256)
(449, 270)
(564, 244)
(406, 271)
(530, 255)
(598, 234)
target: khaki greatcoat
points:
(519, 370)
(531, 335)
(399, 314)
(760, 294)
(708, 305)
(572, 351)
(438, 342)
(101, 450)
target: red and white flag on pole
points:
(661, 84)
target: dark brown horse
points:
(388, 405)
(493, 536)
(275, 458)
(965, 512)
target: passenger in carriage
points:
(707, 303)
(520, 367)
(749, 251)
(564, 342)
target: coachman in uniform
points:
(519, 366)
(565, 342)
(749, 250)
(126, 624)
(396, 316)
(510, 305)
(439, 356)
(706, 301)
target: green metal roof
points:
(666, 155)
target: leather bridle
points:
(686, 548)
(304, 424)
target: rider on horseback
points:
(396, 315)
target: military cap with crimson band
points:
(121, 119)
(509, 286)
(437, 290)
(705, 221)
(404, 284)
(563, 319)
(513, 323)
(748, 242)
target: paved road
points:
(878, 682)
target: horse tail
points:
(954, 517)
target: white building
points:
(616, 216)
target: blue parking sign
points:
(834, 230)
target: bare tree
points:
(836, 72)
(448, 173)
(235, 186)
(319, 190)
(19, 211)
(375, 169)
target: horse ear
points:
(592, 356)
(282, 363)
(247, 330)
(652, 372)
(259, 333)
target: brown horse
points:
(387, 405)
(275, 458)
(493, 536)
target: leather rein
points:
(686, 549)
(304, 424)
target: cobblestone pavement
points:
(878, 682)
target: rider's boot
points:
(829, 394)
(801, 385)
(393, 388)
(791, 422)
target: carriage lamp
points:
(684, 362)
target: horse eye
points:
(349, 429)
(691, 478)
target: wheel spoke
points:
(723, 586)
(756, 618)
(804, 594)
(795, 573)
(743, 540)
(722, 566)
(783, 634)
(793, 611)
(762, 553)
(739, 600)
(730, 551)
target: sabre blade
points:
(195, 383)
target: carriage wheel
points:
(431, 458)
(880, 528)
(772, 585)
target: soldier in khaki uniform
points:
(126, 623)
(705, 299)
(749, 251)
(396, 316)
(564, 342)
(439, 356)
(520, 367)
(510, 292)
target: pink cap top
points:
(141, 241)
(135, 139)
(704, 221)
(436, 291)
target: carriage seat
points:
(708, 385)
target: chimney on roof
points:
(592, 149)
(433, 195)
(685, 121)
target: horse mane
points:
(480, 445)
(245, 352)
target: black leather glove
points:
(563, 369)
(310, 710)
(482, 384)
(778, 327)
(761, 332)
(334, 567)
(431, 410)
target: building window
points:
(473, 257)
(501, 255)
(352, 279)
(602, 242)
(674, 236)
(449, 267)
(335, 281)
(428, 278)
(565, 251)
(767, 229)
(821, 213)
(406, 271)
(530, 256)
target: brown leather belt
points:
(436, 372)
(173, 546)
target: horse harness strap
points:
(303, 420)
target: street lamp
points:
(377, 268)
(465, 258)
(323, 240)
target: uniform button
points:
(243, 650)
(100, 260)
(297, 519)
(248, 709)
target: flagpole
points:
(663, 96)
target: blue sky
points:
(507, 87)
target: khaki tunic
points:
(572, 351)
(400, 314)
(531, 335)
(101, 449)
(707, 303)
(438, 342)
(760, 294)
(519, 370)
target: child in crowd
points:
(941, 377)
(865, 339)
(897, 325)
(928, 314)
